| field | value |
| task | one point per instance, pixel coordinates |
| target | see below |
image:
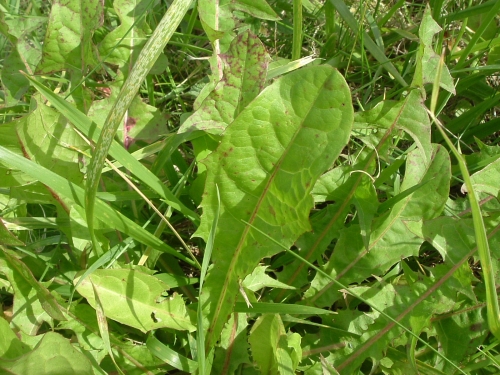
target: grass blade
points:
(145, 61)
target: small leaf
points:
(485, 181)
(258, 279)
(135, 299)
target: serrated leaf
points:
(408, 115)
(244, 76)
(258, 279)
(428, 60)
(52, 354)
(264, 338)
(390, 240)
(265, 168)
(233, 349)
(135, 299)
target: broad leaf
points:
(265, 168)
(135, 299)
(390, 240)
(53, 355)
(10, 345)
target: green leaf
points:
(258, 279)
(10, 345)
(257, 8)
(287, 137)
(68, 39)
(233, 349)
(170, 356)
(366, 202)
(390, 240)
(53, 355)
(264, 338)
(18, 270)
(135, 299)
(485, 181)
(428, 60)
(244, 76)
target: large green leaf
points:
(53, 355)
(233, 349)
(135, 299)
(10, 345)
(265, 168)
(390, 240)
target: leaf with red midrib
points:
(265, 167)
